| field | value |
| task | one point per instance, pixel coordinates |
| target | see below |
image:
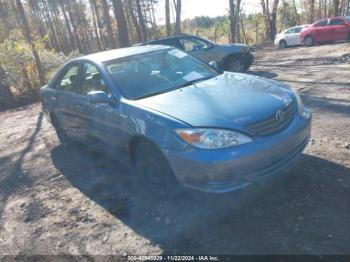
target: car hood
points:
(231, 100)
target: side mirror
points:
(99, 97)
(215, 66)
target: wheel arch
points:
(135, 141)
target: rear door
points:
(339, 29)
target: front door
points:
(198, 48)
(103, 119)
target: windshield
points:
(157, 72)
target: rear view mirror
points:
(99, 97)
(215, 66)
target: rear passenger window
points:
(297, 30)
(92, 80)
(69, 81)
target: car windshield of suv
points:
(153, 73)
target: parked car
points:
(176, 119)
(289, 37)
(230, 57)
(326, 30)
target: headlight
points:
(210, 138)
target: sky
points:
(211, 8)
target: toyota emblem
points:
(280, 116)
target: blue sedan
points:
(177, 120)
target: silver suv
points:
(230, 57)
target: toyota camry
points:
(177, 120)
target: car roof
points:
(121, 53)
(165, 38)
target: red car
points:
(326, 30)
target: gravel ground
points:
(55, 200)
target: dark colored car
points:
(326, 30)
(230, 57)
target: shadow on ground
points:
(307, 212)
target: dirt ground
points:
(55, 200)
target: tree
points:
(312, 11)
(232, 20)
(122, 27)
(270, 17)
(134, 20)
(27, 34)
(167, 17)
(141, 20)
(177, 4)
(108, 23)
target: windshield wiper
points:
(188, 83)
(192, 82)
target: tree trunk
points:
(270, 18)
(27, 35)
(110, 38)
(141, 20)
(96, 28)
(312, 11)
(167, 17)
(177, 4)
(232, 21)
(69, 30)
(134, 21)
(122, 27)
(237, 18)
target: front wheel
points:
(236, 64)
(282, 44)
(154, 171)
(309, 41)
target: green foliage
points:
(18, 63)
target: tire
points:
(154, 172)
(61, 133)
(282, 44)
(348, 37)
(309, 41)
(236, 64)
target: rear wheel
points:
(282, 44)
(154, 171)
(235, 64)
(309, 41)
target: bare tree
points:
(122, 27)
(177, 4)
(167, 18)
(232, 20)
(141, 20)
(270, 17)
(110, 38)
(312, 11)
(27, 34)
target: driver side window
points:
(69, 81)
(92, 80)
(191, 44)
